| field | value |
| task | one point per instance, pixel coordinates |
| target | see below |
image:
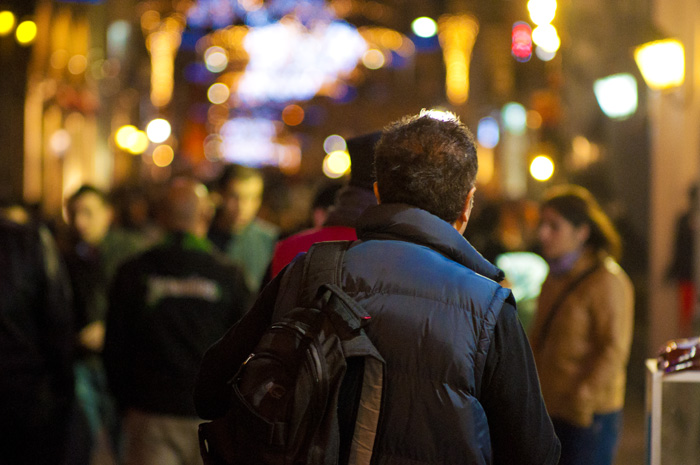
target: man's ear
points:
(376, 193)
(461, 223)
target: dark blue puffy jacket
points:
(434, 304)
(461, 384)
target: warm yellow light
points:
(457, 36)
(336, 164)
(373, 59)
(546, 37)
(486, 165)
(662, 63)
(542, 11)
(121, 137)
(7, 22)
(218, 93)
(158, 130)
(150, 20)
(163, 156)
(77, 64)
(60, 141)
(26, 32)
(137, 143)
(533, 119)
(542, 168)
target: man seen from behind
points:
(461, 385)
(166, 307)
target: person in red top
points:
(351, 201)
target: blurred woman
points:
(582, 331)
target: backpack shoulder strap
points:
(322, 265)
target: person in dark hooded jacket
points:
(36, 343)
(461, 384)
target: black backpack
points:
(311, 391)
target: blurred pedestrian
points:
(167, 306)
(682, 268)
(323, 201)
(37, 347)
(93, 254)
(350, 202)
(583, 327)
(460, 385)
(133, 212)
(246, 240)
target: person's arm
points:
(222, 360)
(119, 349)
(57, 321)
(612, 310)
(520, 428)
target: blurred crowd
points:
(106, 308)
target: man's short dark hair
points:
(427, 161)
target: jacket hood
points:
(397, 221)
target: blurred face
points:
(205, 211)
(91, 218)
(241, 201)
(558, 236)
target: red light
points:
(521, 41)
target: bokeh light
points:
(250, 141)
(334, 142)
(218, 93)
(521, 41)
(542, 11)
(123, 134)
(336, 164)
(288, 61)
(137, 142)
(514, 118)
(77, 64)
(546, 37)
(292, 115)
(26, 32)
(533, 119)
(488, 132)
(163, 155)
(542, 168)
(543, 54)
(7, 22)
(373, 59)
(424, 27)
(662, 63)
(60, 141)
(617, 95)
(216, 59)
(158, 130)
(212, 147)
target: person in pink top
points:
(350, 202)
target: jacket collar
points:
(396, 221)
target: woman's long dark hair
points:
(578, 206)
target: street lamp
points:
(662, 63)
